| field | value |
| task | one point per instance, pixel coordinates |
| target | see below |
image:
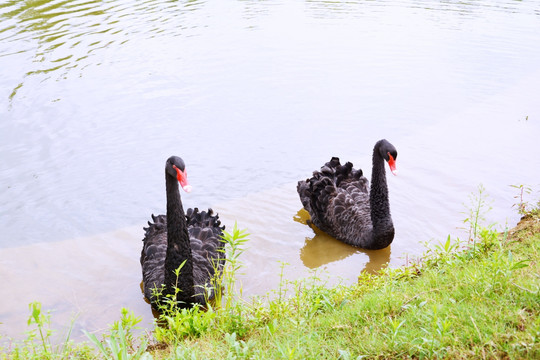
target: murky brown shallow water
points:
(254, 96)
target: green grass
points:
(478, 299)
(472, 299)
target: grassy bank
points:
(478, 298)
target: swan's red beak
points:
(392, 164)
(182, 179)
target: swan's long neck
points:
(383, 228)
(178, 246)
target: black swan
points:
(175, 238)
(339, 202)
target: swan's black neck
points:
(178, 245)
(383, 228)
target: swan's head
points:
(389, 153)
(176, 167)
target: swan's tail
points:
(159, 225)
(317, 193)
(205, 232)
(204, 219)
(205, 225)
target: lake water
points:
(254, 96)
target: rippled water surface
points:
(254, 95)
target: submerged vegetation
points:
(473, 298)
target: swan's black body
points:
(339, 202)
(193, 239)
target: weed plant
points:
(119, 342)
(523, 206)
(39, 344)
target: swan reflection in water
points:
(323, 249)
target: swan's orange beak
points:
(392, 164)
(182, 179)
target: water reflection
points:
(323, 249)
